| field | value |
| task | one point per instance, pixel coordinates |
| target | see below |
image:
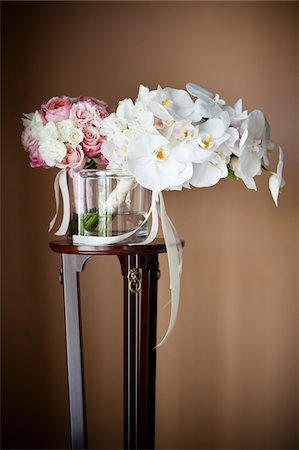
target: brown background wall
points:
(227, 378)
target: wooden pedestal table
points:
(139, 265)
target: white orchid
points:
(155, 102)
(231, 144)
(207, 105)
(248, 181)
(167, 104)
(266, 144)
(168, 141)
(276, 182)
(183, 131)
(115, 152)
(251, 151)
(211, 134)
(145, 95)
(177, 102)
(236, 113)
(208, 173)
(150, 159)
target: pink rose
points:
(89, 111)
(27, 139)
(31, 145)
(92, 141)
(74, 158)
(36, 160)
(83, 113)
(101, 107)
(93, 100)
(101, 112)
(57, 109)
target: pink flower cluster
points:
(83, 115)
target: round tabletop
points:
(66, 246)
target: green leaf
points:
(231, 173)
(91, 221)
(90, 164)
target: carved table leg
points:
(72, 264)
(140, 320)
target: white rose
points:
(52, 151)
(48, 132)
(69, 133)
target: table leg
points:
(140, 320)
(71, 265)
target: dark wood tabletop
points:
(66, 246)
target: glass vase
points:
(107, 203)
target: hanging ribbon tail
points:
(56, 192)
(179, 246)
(61, 183)
(155, 221)
(66, 204)
(174, 252)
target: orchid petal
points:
(224, 116)
(198, 91)
(280, 164)
(150, 173)
(244, 138)
(185, 174)
(181, 105)
(201, 109)
(160, 112)
(155, 176)
(276, 182)
(274, 187)
(256, 124)
(215, 127)
(191, 152)
(249, 183)
(233, 136)
(125, 109)
(250, 163)
(205, 175)
(238, 106)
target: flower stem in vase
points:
(91, 220)
(105, 220)
(99, 220)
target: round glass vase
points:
(107, 203)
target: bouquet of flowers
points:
(65, 133)
(166, 139)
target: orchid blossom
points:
(150, 159)
(207, 105)
(251, 151)
(169, 140)
(276, 182)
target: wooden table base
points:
(140, 272)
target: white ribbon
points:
(61, 182)
(174, 252)
(172, 241)
(101, 240)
